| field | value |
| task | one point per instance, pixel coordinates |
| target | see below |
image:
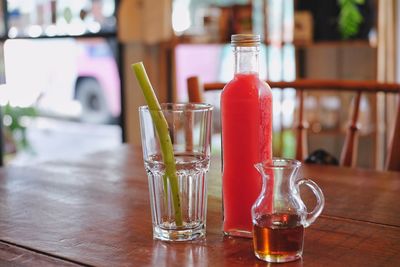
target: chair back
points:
(349, 150)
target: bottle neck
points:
(246, 59)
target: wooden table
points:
(96, 212)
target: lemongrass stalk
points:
(163, 133)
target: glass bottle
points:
(246, 118)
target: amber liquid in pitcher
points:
(278, 237)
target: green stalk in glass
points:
(163, 133)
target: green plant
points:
(350, 17)
(13, 120)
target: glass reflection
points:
(186, 254)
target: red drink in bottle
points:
(246, 116)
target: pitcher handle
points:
(312, 216)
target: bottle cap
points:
(245, 40)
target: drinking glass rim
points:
(181, 107)
(280, 163)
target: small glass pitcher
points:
(279, 215)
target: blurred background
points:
(61, 87)
(68, 90)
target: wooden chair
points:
(349, 150)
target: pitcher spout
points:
(262, 167)
(259, 167)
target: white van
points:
(64, 77)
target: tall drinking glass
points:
(178, 214)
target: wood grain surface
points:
(11, 255)
(96, 212)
